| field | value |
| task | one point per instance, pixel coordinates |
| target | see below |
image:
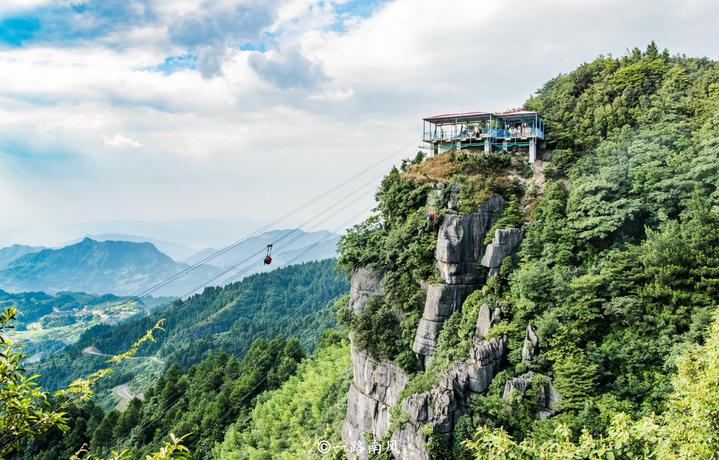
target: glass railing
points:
(487, 132)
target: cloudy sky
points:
(169, 110)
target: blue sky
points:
(146, 110)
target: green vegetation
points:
(198, 404)
(28, 412)
(225, 319)
(618, 271)
(686, 430)
(47, 323)
(289, 422)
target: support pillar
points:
(532, 150)
(487, 146)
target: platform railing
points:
(486, 133)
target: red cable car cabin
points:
(268, 257)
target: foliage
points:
(619, 265)
(291, 421)
(198, 404)
(25, 409)
(225, 318)
(687, 430)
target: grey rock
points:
(486, 318)
(409, 443)
(486, 358)
(376, 386)
(378, 379)
(548, 398)
(530, 349)
(442, 300)
(518, 384)
(460, 242)
(364, 283)
(504, 243)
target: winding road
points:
(124, 392)
(95, 352)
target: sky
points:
(144, 115)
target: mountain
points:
(16, 251)
(567, 308)
(117, 267)
(294, 300)
(177, 251)
(291, 245)
(46, 323)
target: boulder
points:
(504, 243)
(364, 283)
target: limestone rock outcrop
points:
(442, 406)
(442, 301)
(376, 386)
(458, 252)
(547, 397)
(460, 242)
(486, 318)
(504, 243)
(364, 283)
(530, 349)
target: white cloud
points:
(118, 140)
(277, 128)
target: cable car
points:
(268, 257)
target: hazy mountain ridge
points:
(14, 252)
(118, 267)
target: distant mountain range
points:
(177, 251)
(98, 267)
(16, 251)
(122, 267)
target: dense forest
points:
(617, 272)
(225, 318)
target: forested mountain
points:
(117, 267)
(177, 251)
(130, 264)
(16, 251)
(222, 347)
(202, 401)
(46, 323)
(565, 309)
(294, 300)
(616, 275)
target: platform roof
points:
(477, 116)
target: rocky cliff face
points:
(459, 250)
(440, 408)
(377, 384)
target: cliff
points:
(463, 263)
